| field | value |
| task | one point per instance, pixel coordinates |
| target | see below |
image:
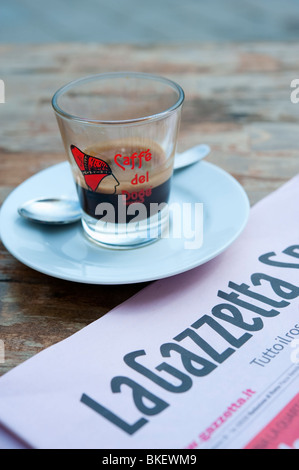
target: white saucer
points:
(65, 252)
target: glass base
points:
(126, 236)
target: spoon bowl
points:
(58, 211)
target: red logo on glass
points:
(93, 169)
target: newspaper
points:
(208, 359)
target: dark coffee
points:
(150, 199)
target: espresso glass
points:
(120, 132)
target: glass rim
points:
(112, 75)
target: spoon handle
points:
(193, 155)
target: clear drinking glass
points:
(120, 132)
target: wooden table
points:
(237, 101)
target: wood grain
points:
(237, 101)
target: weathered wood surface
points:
(237, 101)
(136, 22)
